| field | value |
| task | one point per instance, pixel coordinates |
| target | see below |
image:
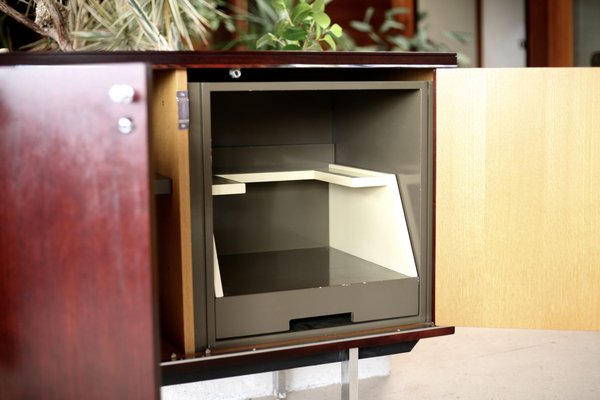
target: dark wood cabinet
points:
(77, 291)
(97, 269)
(109, 289)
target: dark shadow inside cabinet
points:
(311, 208)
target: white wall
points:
(503, 29)
(503, 32)
(455, 15)
(586, 15)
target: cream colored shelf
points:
(223, 186)
(335, 174)
(368, 224)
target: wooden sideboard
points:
(106, 284)
(108, 287)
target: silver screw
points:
(235, 73)
(121, 94)
(125, 125)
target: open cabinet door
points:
(518, 198)
(76, 279)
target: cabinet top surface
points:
(239, 59)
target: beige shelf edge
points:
(335, 174)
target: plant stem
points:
(60, 26)
(167, 12)
(17, 16)
(308, 38)
(59, 33)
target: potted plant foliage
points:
(96, 25)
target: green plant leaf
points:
(312, 46)
(265, 11)
(281, 26)
(92, 35)
(265, 40)
(391, 24)
(147, 26)
(392, 12)
(179, 22)
(375, 37)
(336, 30)
(100, 15)
(460, 37)
(300, 12)
(322, 19)
(330, 42)
(401, 42)
(294, 33)
(368, 14)
(318, 6)
(279, 5)
(230, 26)
(291, 47)
(361, 26)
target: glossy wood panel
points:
(518, 198)
(76, 286)
(241, 59)
(171, 159)
(549, 33)
(294, 354)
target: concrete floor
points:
(484, 364)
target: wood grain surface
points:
(170, 149)
(77, 303)
(549, 33)
(238, 59)
(518, 198)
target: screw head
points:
(235, 73)
(121, 94)
(125, 125)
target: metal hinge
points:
(183, 110)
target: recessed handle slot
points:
(319, 322)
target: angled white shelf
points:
(335, 174)
(223, 186)
(367, 224)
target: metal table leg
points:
(279, 389)
(350, 376)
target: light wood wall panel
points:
(518, 198)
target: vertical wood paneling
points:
(549, 33)
(560, 33)
(408, 19)
(170, 147)
(76, 288)
(518, 198)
